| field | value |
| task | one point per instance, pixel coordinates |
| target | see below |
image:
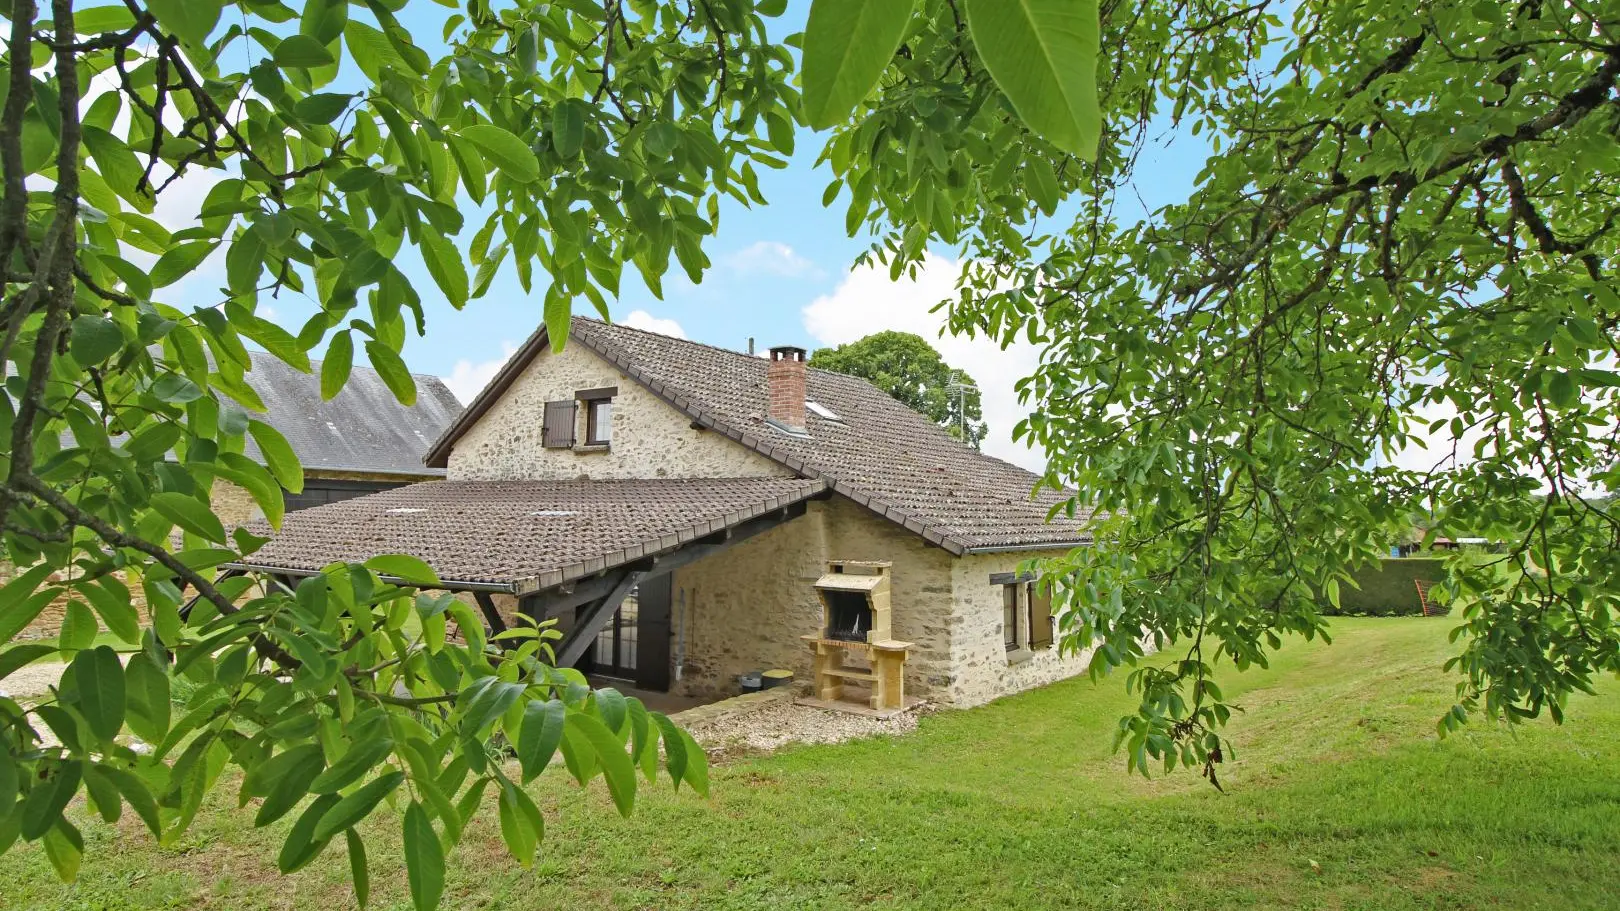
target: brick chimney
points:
(784, 380)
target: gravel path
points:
(32, 680)
(772, 727)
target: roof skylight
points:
(822, 410)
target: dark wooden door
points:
(653, 635)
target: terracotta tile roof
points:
(523, 535)
(878, 452)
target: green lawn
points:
(1341, 797)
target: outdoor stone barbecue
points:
(856, 624)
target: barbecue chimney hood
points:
(855, 600)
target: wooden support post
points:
(590, 621)
(491, 615)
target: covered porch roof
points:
(524, 537)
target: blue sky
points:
(781, 275)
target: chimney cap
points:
(787, 353)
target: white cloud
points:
(467, 378)
(641, 319)
(769, 257)
(866, 301)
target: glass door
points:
(615, 651)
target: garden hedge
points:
(1388, 590)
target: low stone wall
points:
(736, 706)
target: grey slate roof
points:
(522, 535)
(362, 429)
(881, 454)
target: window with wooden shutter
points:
(1040, 618)
(558, 430)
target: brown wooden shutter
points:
(558, 430)
(1040, 619)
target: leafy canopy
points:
(564, 141)
(908, 368)
(1390, 294)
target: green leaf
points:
(559, 320)
(112, 603)
(38, 144)
(470, 165)
(93, 339)
(353, 765)
(616, 766)
(64, 848)
(137, 795)
(301, 847)
(99, 19)
(323, 20)
(424, 859)
(146, 687)
(696, 773)
(445, 264)
(323, 107)
(847, 46)
(302, 52)
(610, 704)
(102, 795)
(521, 823)
(358, 874)
(190, 514)
(674, 747)
(100, 680)
(509, 153)
(539, 736)
(485, 700)
(404, 567)
(118, 166)
(1043, 56)
(176, 389)
(372, 51)
(355, 807)
(395, 375)
(180, 261)
(283, 780)
(278, 456)
(22, 655)
(9, 781)
(568, 127)
(336, 367)
(78, 627)
(1563, 391)
(191, 20)
(43, 805)
(528, 48)
(16, 617)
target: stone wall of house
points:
(233, 504)
(745, 608)
(983, 667)
(48, 623)
(651, 439)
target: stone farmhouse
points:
(673, 505)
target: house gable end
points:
(646, 436)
